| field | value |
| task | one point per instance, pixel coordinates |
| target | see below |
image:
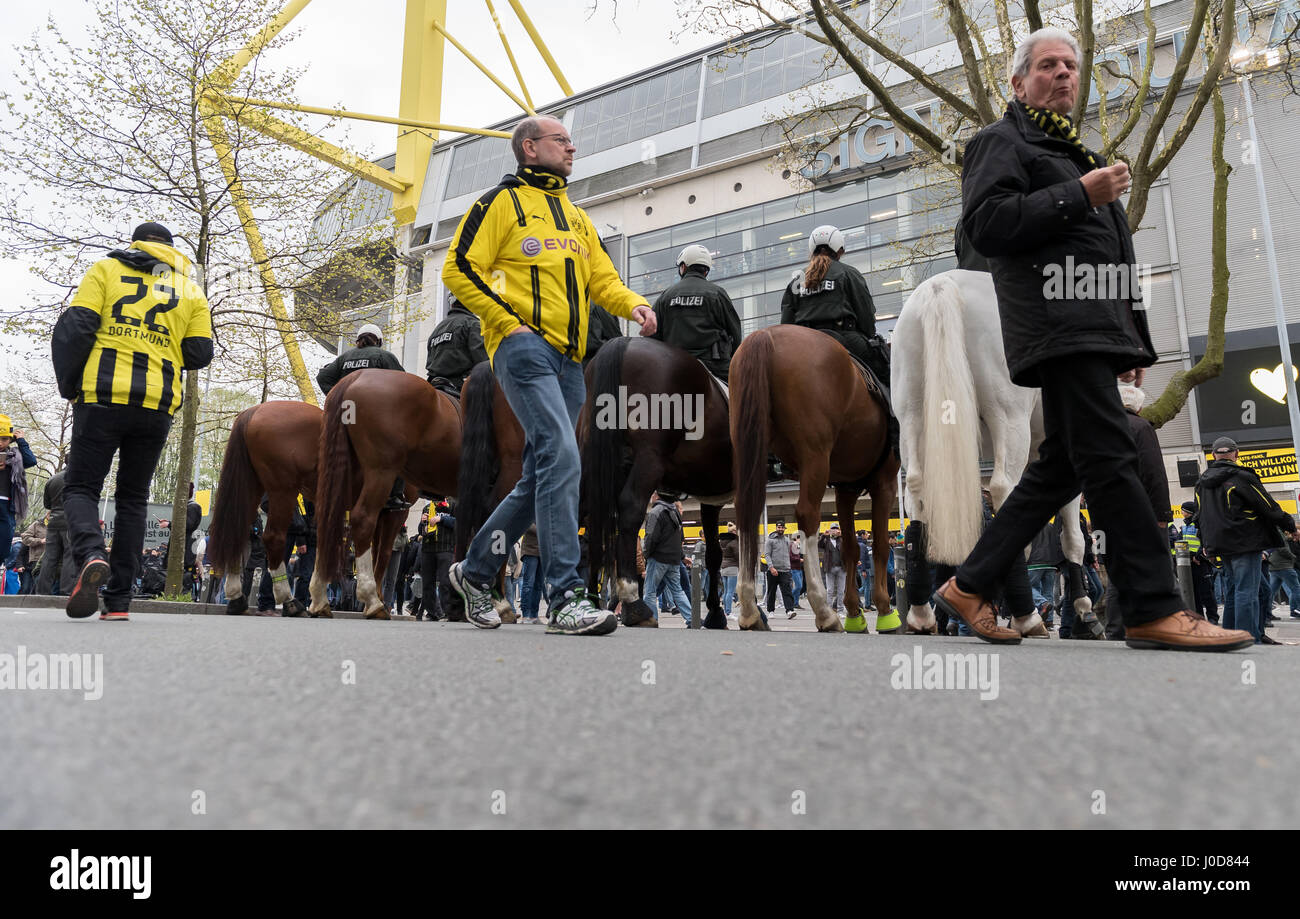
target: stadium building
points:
(697, 150)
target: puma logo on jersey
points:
(686, 301)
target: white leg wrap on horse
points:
(627, 590)
(280, 584)
(234, 587)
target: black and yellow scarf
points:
(541, 177)
(1060, 127)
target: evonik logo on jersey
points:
(532, 246)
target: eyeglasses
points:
(564, 139)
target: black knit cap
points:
(146, 231)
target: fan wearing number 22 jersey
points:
(136, 321)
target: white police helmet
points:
(370, 329)
(696, 255)
(828, 236)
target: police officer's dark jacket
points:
(697, 316)
(1025, 209)
(841, 301)
(369, 358)
(601, 328)
(455, 346)
(1234, 512)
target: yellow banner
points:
(1270, 465)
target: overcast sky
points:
(353, 51)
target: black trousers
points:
(435, 568)
(780, 580)
(57, 574)
(137, 435)
(265, 585)
(1088, 447)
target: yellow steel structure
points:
(418, 113)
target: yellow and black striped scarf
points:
(1060, 127)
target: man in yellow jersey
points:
(137, 321)
(525, 260)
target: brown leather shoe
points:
(976, 612)
(1184, 632)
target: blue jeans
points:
(1241, 606)
(1042, 583)
(546, 391)
(796, 584)
(1290, 580)
(671, 575)
(728, 591)
(530, 586)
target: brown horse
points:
(797, 393)
(271, 452)
(379, 425)
(682, 444)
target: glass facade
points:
(757, 249)
(631, 113)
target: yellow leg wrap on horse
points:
(889, 622)
(856, 623)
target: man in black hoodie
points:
(1238, 520)
(136, 322)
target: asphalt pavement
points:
(248, 722)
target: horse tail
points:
(603, 471)
(949, 428)
(334, 483)
(238, 491)
(479, 463)
(751, 436)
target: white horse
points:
(949, 380)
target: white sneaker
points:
(479, 606)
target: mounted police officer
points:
(369, 354)
(697, 316)
(455, 346)
(831, 296)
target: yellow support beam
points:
(256, 247)
(421, 100)
(257, 120)
(523, 87)
(541, 47)
(362, 116)
(486, 72)
(224, 75)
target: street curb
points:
(37, 601)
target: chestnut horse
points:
(271, 452)
(381, 424)
(682, 443)
(797, 393)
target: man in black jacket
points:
(1238, 521)
(1045, 211)
(697, 315)
(455, 346)
(662, 549)
(56, 564)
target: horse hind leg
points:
(751, 619)
(367, 589)
(812, 486)
(320, 601)
(236, 602)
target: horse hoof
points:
(914, 630)
(237, 606)
(758, 626)
(833, 626)
(890, 623)
(294, 608)
(856, 624)
(715, 620)
(508, 615)
(643, 624)
(636, 612)
(381, 613)
(326, 613)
